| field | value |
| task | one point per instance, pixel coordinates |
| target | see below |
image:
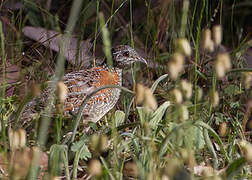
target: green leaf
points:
(77, 145)
(211, 148)
(166, 141)
(154, 85)
(235, 167)
(81, 148)
(85, 153)
(232, 90)
(33, 13)
(234, 104)
(56, 157)
(158, 114)
(88, 11)
(196, 137)
(199, 140)
(119, 118)
(141, 112)
(155, 117)
(215, 135)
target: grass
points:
(191, 117)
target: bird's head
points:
(124, 55)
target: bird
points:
(83, 82)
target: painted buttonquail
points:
(83, 82)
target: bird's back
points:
(83, 82)
(80, 84)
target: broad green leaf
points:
(215, 135)
(56, 157)
(155, 117)
(77, 145)
(141, 113)
(119, 118)
(235, 167)
(33, 13)
(85, 153)
(154, 85)
(232, 90)
(158, 114)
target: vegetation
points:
(185, 116)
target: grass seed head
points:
(36, 90)
(214, 99)
(149, 100)
(219, 69)
(186, 88)
(247, 80)
(247, 150)
(199, 93)
(19, 167)
(217, 34)
(62, 92)
(176, 65)
(140, 93)
(131, 169)
(55, 178)
(22, 137)
(173, 70)
(103, 144)
(95, 167)
(179, 60)
(17, 139)
(177, 96)
(99, 143)
(223, 129)
(182, 45)
(207, 42)
(13, 139)
(184, 113)
(172, 167)
(165, 177)
(224, 58)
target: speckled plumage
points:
(83, 82)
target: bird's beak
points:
(142, 60)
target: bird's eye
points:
(113, 50)
(126, 54)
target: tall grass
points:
(172, 130)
